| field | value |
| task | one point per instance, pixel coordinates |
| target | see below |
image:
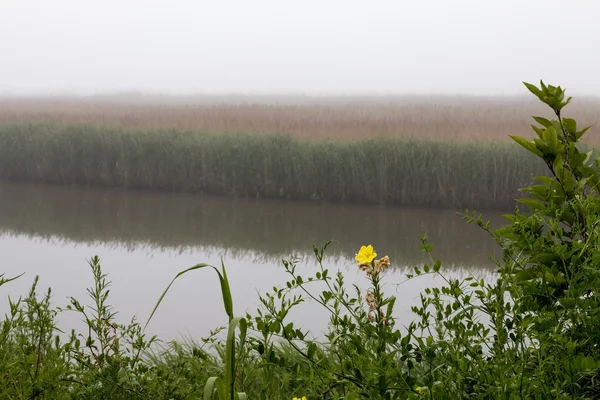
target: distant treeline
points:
(380, 171)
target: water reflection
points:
(271, 229)
(145, 238)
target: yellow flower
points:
(366, 254)
(298, 398)
(419, 390)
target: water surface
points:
(145, 238)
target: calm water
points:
(144, 239)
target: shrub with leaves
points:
(534, 333)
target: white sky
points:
(306, 47)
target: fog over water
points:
(310, 47)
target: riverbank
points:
(391, 171)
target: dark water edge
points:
(272, 228)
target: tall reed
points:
(381, 171)
(315, 118)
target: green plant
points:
(225, 388)
(108, 356)
(30, 351)
(376, 171)
(534, 332)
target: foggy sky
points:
(300, 47)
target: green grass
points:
(382, 171)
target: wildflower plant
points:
(531, 333)
(362, 354)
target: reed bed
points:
(342, 118)
(376, 170)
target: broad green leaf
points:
(551, 139)
(213, 383)
(538, 130)
(546, 123)
(570, 125)
(527, 144)
(275, 327)
(533, 203)
(533, 89)
(542, 147)
(538, 191)
(578, 159)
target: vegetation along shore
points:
(528, 332)
(425, 151)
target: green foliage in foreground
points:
(533, 333)
(381, 171)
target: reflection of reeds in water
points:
(264, 230)
(333, 259)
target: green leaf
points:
(227, 301)
(226, 292)
(579, 134)
(533, 89)
(212, 383)
(312, 348)
(390, 307)
(538, 191)
(275, 327)
(527, 144)
(551, 139)
(527, 274)
(539, 131)
(533, 203)
(546, 123)
(570, 125)
(230, 351)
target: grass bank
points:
(382, 171)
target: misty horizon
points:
(340, 48)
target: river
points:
(144, 238)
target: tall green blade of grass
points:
(225, 389)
